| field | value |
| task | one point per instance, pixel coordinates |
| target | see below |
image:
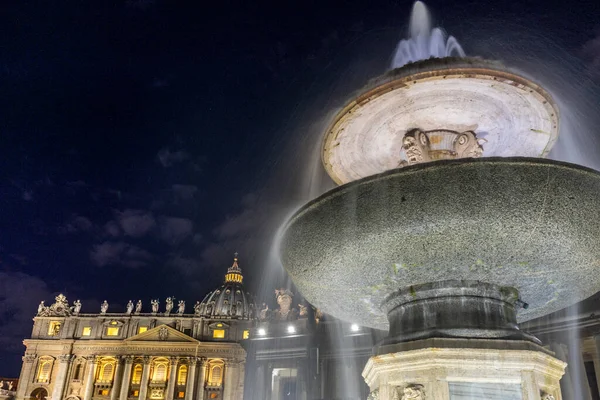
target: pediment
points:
(162, 333)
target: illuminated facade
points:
(137, 355)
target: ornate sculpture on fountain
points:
(197, 308)
(547, 396)
(440, 144)
(155, 304)
(129, 308)
(104, 307)
(60, 308)
(138, 307)
(181, 307)
(285, 312)
(413, 392)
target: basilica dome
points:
(230, 300)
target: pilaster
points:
(229, 382)
(145, 378)
(61, 376)
(116, 384)
(172, 378)
(126, 378)
(91, 363)
(191, 378)
(26, 377)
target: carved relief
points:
(413, 392)
(163, 333)
(60, 308)
(374, 395)
(440, 144)
(547, 396)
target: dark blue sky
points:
(143, 142)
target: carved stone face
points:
(284, 301)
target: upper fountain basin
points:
(526, 223)
(510, 115)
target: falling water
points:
(424, 42)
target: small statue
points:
(129, 309)
(197, 308)
(285, 312)
(233, 310)
(547, 396)
(138, 307)
(104, 307)
(169, 305)
(41, 307)
(10, 386)
(76, 306)
(155, 304)
(374, 395)
(181, 307)
(264, 312)
(1, 384)
(303, 311)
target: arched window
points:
(160, 372)
(215, 373)
(39, 394)
(136, 377)
(182, 375)
(77, 373)
(106, 372)
(44, 370)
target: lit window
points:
(180, 395)
(219, 325)
(182, 375)
(44, 369)
(219, 333)
(246, 334)
(215, 376)
(136, 393)
(142, 329)
(54, 328)
(214, 395)
(103, 392)
(160, 372)
(136, 377)
(106, 373)
(87, 331)
(112, 331)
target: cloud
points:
(119, 254)
(187, 266)
(184, 192)
(20, 295)
(27, 195)
(168, 158)
(175, 230)
(112, 229)
(135, 223)
(76, 224)
(591, 54)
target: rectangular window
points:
(87, 331)
(112, 331)
(246, 334)
(142, 329)
(180, 395)
(219, 333)
(136, 393)
(103, 392)
(54, 328)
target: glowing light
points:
(262, 332)
(354, 328)
(291, 329)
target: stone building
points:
(162, 354)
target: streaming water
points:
(424, 42)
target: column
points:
(191, 377)
(89, 377)
(172, 379)
(145, 378)
(203, 363)
(26, 377)
(577, 371)
(126, 378)
(230, 382)
(597, 360)
(117, 378)
(239, 385)
(61, 376)
(566, 384)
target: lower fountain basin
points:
(525, 223)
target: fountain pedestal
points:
(464, 369)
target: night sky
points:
(143, 142)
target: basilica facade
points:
(166, 353)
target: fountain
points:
(448, 229)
